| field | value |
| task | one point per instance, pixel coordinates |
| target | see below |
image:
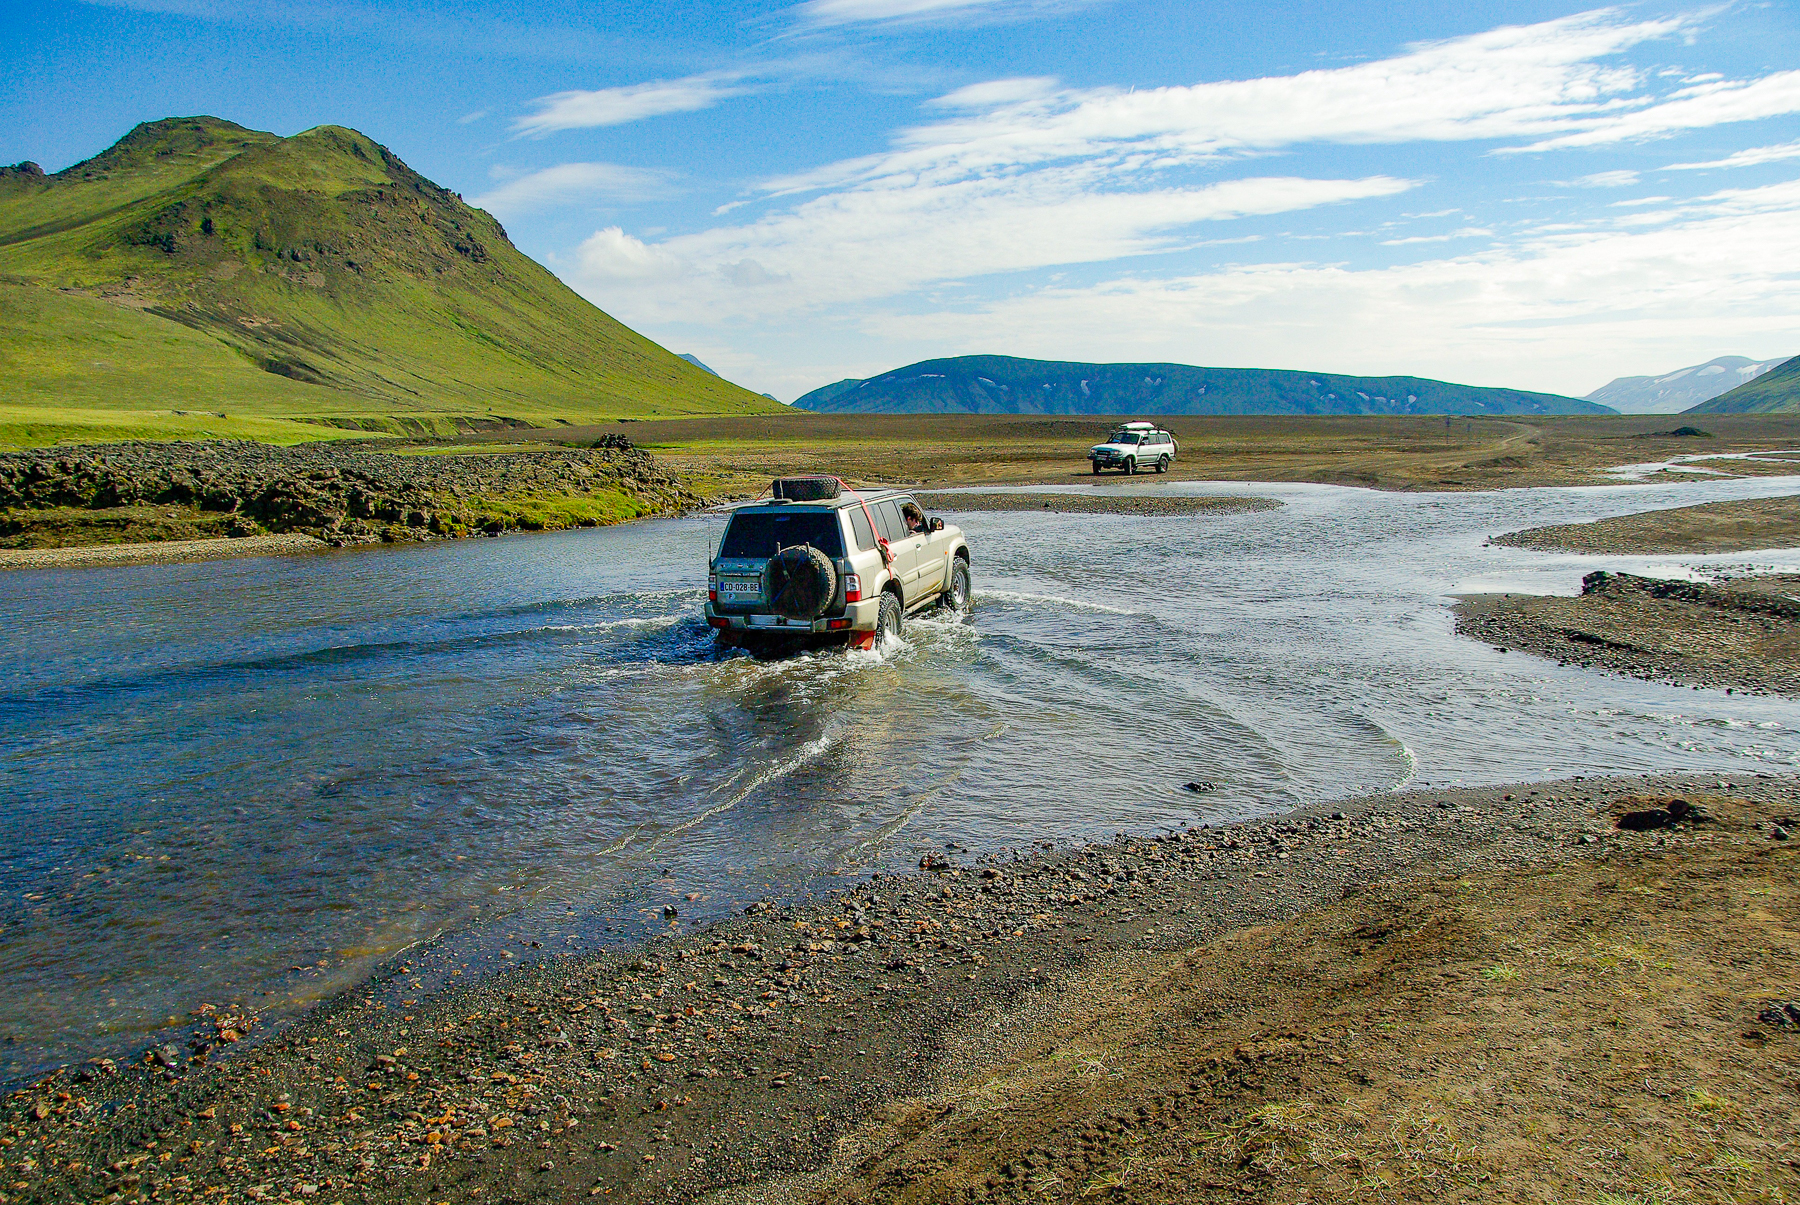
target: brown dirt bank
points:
(730, 455)
(1739, 636)
(1109, 503)
(1445, 994)
(1709, 527)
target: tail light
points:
(852, 588)
(712, 588)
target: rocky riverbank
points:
(337, 494)
(1094, 504)
(1742, 636)
(1708, 527)
(1439, 992)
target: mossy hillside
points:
(357, 291)
(76, 367)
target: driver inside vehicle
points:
(915, 519)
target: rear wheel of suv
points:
(887, 620)
(1131, 468)
(1162, 464)
(956, 595)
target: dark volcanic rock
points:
(339, 494)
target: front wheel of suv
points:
(887, 620)
(956, 595)
(1131, 468)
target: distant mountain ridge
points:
(1673, 392)
(197, 263)
(1774, 392)
(1007, 385)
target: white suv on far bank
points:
(1135, 446)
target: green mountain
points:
(1776, 391)
(1005, 385)
(200, 267)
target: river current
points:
(250, 781)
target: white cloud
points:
(1614, 179)
(868, 243)
(1465, 232)
(617, 106)
(1694, 108)
(569, 182)
(1520, 81)
(1563, 312)
(471, 118)
(990, 93)
(613, 255)
(854, 12)
(1746, 158)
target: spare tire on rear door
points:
(802, 582)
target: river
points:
(251, 781)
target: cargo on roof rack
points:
(805, 489)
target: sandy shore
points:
(1709, 527)
(1108, 503)
(1450, 990)
(155, 553)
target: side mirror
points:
(937, 525)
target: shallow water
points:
(249, 780)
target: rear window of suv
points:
(764, 533)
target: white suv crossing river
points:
(818, 562)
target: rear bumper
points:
(857, 617)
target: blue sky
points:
(1531, 194)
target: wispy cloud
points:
(1720, 102)
(567, 183)
(1465, 232)
(1745, 158)
(1538, 311)
(1021, 173)
(617, 106)
(471, 118)
(1612, 179)
(867, 243)
(820, 13)
(1509, 83)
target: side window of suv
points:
(893, 528)
(859, 524)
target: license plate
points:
(732, 589)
